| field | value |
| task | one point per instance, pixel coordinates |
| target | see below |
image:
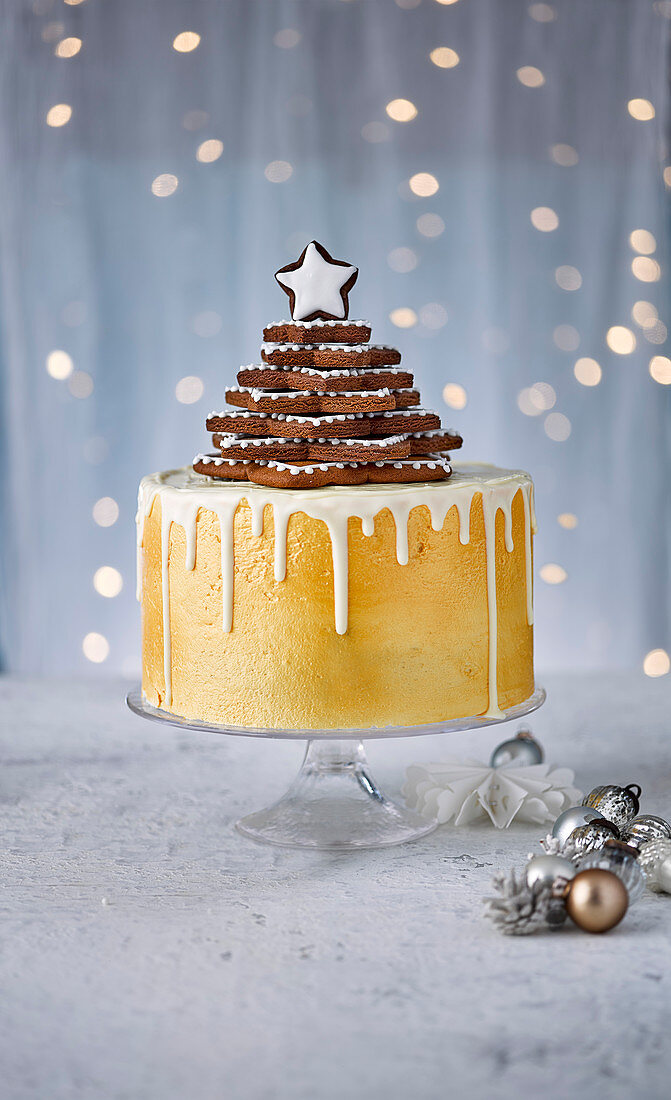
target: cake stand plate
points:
(334, 803)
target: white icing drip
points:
(529, 527)
(182, 494)
(281, 520)
(257, 508)
(166, 524)
(489, 513)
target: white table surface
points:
(149, 951)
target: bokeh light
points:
(403, 317)
(455, 396)
(641, 109)
(278, 171)
(587, 371)
(444, 57)
(107, 581)
(375, 132)
(105, 512)
(656, 663)
(621, 340)
(96, 648)
(646, 269)
(557, 427)
(287, 39)
(80, 384)
(51, 32)
(567, 520)
(568, 278)
(642, 240)
(59, 365)
(68, 47)
(189, 389)
(660, 369)
(544, 218)
(430, 225)
(566, 338)
(656, 333)
(59, 115)
(552, 573)
(542, 13)
(401, 110)
(423, 184)
(402, 260)
(564, 155)
(433, 315)
(186, 41)
(644, 313)
(164, 185)
(209, 151)
(530, 76)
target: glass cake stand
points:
(334, 803)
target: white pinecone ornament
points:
(520, 909)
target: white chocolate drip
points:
(183, 493)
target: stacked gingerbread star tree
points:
(325, 406)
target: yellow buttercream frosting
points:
(343, 632)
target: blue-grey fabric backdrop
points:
(533, 121)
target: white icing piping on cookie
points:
(319, 323)
(339, 372)
(274, 395)
(316, 420)
(183, 497)
(233, 440)
(356, 349)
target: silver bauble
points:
(618, 804)
(521, 750)
(644, 828)
(592, 835)
(622, 861)
(573, 817)
(545, 869)
(655, 860)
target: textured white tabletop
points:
(149, 951)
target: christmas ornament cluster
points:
(597, 861)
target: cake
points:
(327, 566)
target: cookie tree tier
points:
(325, 406)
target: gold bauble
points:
(596, 900)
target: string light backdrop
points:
(500, 174)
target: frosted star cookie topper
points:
(317, 285)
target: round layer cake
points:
(336, 608)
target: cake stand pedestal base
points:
(334, 803)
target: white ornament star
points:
(317, 285)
